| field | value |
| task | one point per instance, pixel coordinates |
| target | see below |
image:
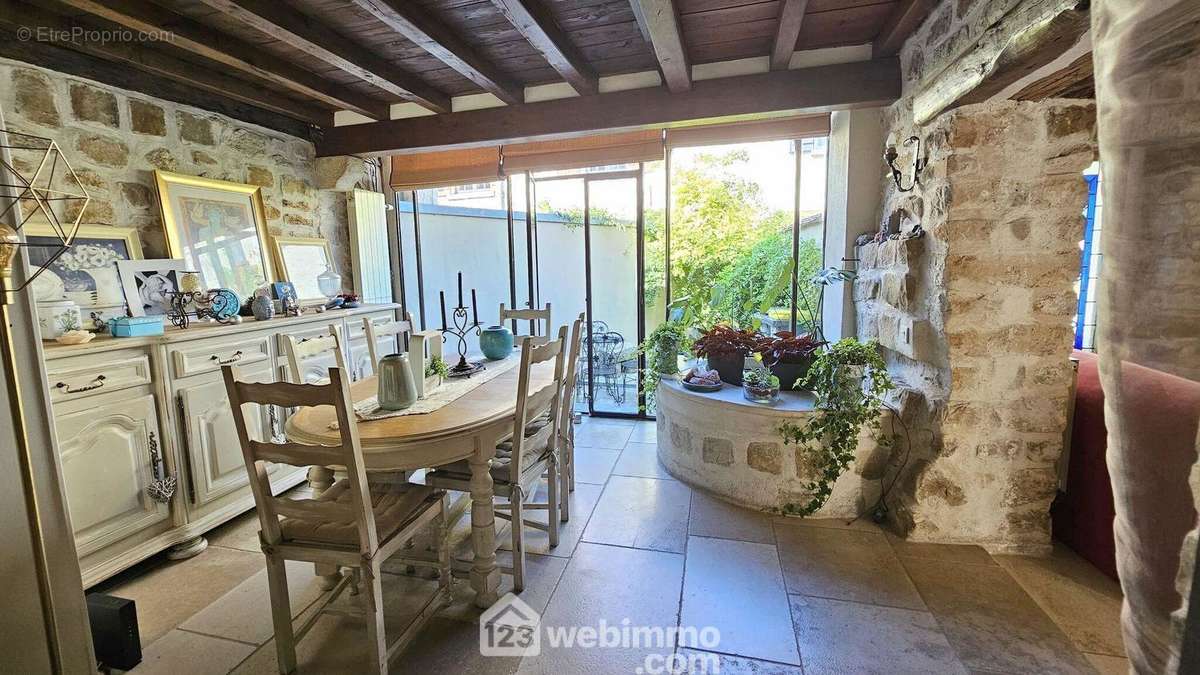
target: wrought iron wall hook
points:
(919, 163)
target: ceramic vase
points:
(496, 342)
(397, 385)
(263, 307)
(56, 318)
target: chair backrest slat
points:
(570, 376)
(376, 330)
(530, 405)
(529, 314)
(347, 454)
(300, 350)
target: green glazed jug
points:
(397, 388)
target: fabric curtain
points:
(809, 126)
(448, 167)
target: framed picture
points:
(301, 260)
(218, 229)
(86, 273)
(149, 283)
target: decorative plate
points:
(702, 388)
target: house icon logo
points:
(510, 628)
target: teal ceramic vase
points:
(496, 342)
(397, 388)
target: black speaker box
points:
(114, 631)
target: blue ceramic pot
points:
(496, 342)
(397, 388)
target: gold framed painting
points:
(301, 260)
(218, 228)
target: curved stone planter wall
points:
(729, 446)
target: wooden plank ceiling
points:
(363, 55)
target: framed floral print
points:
(218, 229)
(86, 273)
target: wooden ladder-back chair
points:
(353, 524)
(376, 330)
(530, 452)
(566, 429)
(539, 317)
(302, 349)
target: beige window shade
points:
(808, 126)
(570, 153)
(448, 167)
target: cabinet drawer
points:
(208, 357)
(74, 378)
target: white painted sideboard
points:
(118, 403)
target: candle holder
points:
(218, 304)
(461, 325)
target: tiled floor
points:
(786, 595)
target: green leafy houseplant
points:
(437, 367)
(661, 349)
(850, 380)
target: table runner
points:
(452, 388)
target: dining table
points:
(469, 427)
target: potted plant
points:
(789, 357)
(435, 371)
(850, 380)
(726, 349)
(758, 383)
(661, 349)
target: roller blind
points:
(598, 150)
(448, 167)
(748, 132)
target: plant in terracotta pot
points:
(726, 349)
(789, 357)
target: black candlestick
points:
(463, 326)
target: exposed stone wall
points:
(975, 314)
(115, 139)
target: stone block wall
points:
(975, 314)
(115, 139)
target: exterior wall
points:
(115, 139)
(975, 314)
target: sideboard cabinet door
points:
(106, 449)
(214, 451)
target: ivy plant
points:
(850, 380)
(661, 349)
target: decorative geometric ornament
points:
(49, 192)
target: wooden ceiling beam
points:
(660, 24)
(820, 89)
(15, 15)
(532, 20)
(204, 41)
(302, 32)
(905, 19)
(791, 16)
(409, 20)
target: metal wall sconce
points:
(919, 163)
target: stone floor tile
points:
(244, 614)
(1084, 602)
(700, 662)
(613, 584)
(542, 573)
(641, 459)
(593, 465)
(952, 553)
(583, 502)
(1108, 665)
(642, 513)
(180, 652)
(713, 517)
(737, 588)
(168, 592)
(848, 637)
(864, 524)
(240, 533)
(447, 646)
(644, 432)
(608, 434)
(843, 564)
(991, 622)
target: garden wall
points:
(115, 139)
(975, 312)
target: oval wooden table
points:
(467, 428)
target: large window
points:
(711, 233)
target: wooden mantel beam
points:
(820, 89)
(532, 20)
(300, 31)
(660, 24)
(905, 19)
(408, 19)
(791, 16)
(195, 37)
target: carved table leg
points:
(320, 479)
(485, 576)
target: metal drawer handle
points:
(237, 356)
(94, 384)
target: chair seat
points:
(531, 428)
(394, 505)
